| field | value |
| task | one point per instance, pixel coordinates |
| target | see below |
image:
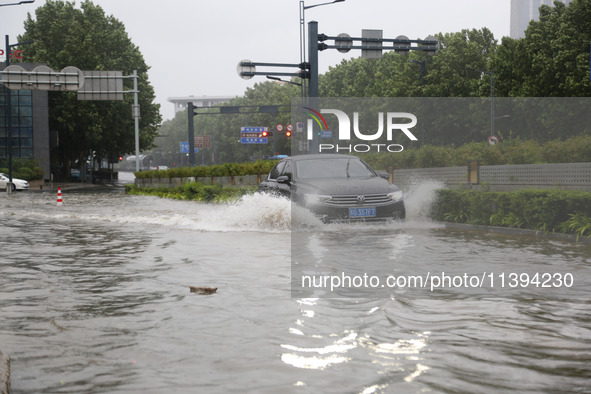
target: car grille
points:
(370, 199)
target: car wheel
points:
(13, 187)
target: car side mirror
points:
(284, 179)
(384, 174)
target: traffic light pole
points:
(191, 113)
(313, 85)
(8, 122)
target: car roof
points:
(324, 156)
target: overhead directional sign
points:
(253, 135)
(258, 140)
(42, 78)
(253, 129)
(102, 85)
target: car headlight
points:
(396, 196)
(316, 198)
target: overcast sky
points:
(193, 47)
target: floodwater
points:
(94, 298)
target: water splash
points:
(419, 197)
(252, 213)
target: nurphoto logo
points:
(394, 122)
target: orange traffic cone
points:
(59, 196)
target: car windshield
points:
(332, 168)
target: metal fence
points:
(568, 176)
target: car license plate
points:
(368, 212)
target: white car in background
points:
(17, 184)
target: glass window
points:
(21, 123)
(287, 170)
(25, 100)
(274, 174)
(333, 168)
(25, 121)
(26, 132)
(26, 111)
(26, 142)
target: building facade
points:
(26, 123)
(524, 11)
(180, 103)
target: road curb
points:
(4, 374)
(519, 231)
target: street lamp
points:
(282, 80)
(19, 3)
(303, 9)
(492, 96)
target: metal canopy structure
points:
(42, 78)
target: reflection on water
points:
(94, 298)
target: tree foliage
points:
(553, 58)
(551, 61)
(88, 39)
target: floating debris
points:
(203, 290)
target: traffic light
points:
(266, 134)
(288, 133)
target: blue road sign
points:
(253, 129)
(185, 147)
(326, 134)
(252, 140)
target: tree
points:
(88, 39)
(552, 60)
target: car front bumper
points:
(332, 213)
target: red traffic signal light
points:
(288, 134)
(264, 134)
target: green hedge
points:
(543, 210)
(194, 191)
(26, 169)
(229, 169)
(514, 151)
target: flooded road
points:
(94, 298)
